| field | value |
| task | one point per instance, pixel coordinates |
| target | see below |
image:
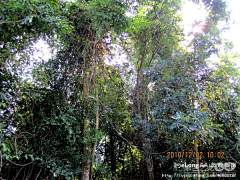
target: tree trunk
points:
(87, 149)
(149, 161)
(141, 99)
(112, 154)
(196, 152)
(97, 115)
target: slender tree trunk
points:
(97, 109)
(97, 115)
(149, 161)
(196, 152)
(142, 110)
(87, 149)
(112, 154)
(142, 97)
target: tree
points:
(79, 118)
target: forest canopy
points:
(77, 116)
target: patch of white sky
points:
(41, 52)
(197, 13)
(233, 33)
(192, 13)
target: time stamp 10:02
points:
(199, 155)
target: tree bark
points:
(196, 152)
(149, 162)
(97, 114)
(87, 149)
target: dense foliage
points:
(75, 116)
